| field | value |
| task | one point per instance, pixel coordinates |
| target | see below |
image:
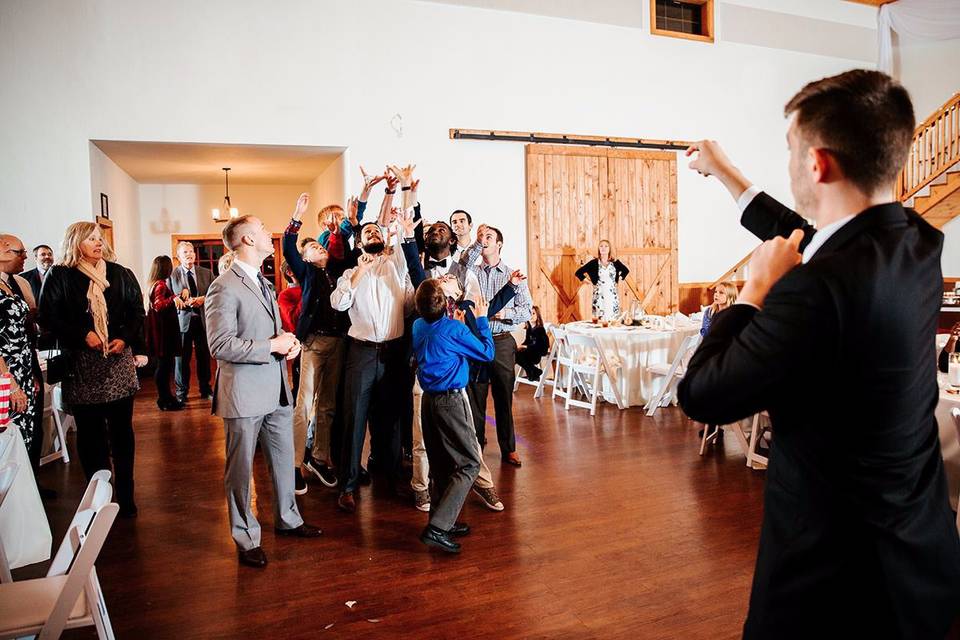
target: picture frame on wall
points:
(104, 206)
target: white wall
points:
(185, 208)
(314, 73)
(124, 203)
(330, 187)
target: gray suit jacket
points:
(239, 328)
(178, 282)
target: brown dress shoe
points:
(346, 502)
(253, 557)
(514, 459)
(303, 531)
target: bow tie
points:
(430, 264)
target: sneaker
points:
(299, 484)
(421, 500)
(324, 473)
(490, 498)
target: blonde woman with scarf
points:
(93, 307)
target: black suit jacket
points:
(858, 539)
(33, 277)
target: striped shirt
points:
(492, 279)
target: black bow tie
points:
(430, 264)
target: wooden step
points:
(942, 204)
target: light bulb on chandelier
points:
(226, 206)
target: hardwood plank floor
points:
(614, 528)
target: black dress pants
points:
(502, 377)
(105, 432)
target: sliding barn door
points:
(577, 196)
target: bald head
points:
(12, 254)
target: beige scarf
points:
(98, 304)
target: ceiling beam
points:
(872, 3)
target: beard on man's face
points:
(373, 248)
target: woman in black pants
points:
(163, 332)
(93, 307)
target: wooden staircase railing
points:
(935, 148)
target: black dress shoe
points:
(253, 557)
(206, 395)
(459, 530)
(433, 537)
(303, 531)
(364, 476)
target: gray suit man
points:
(191, 281)
(251, 392)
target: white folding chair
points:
(709, 436)
(955, 412)
(8, 473)
(45, 607)
(754, 459)
(543, 366)
(53, 407)
(561, 360)
(588, 369)
(671, 373)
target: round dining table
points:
(635, 348)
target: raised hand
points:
(392, 181)
(712, 161)
(481, 228)
(408, 224)
(481, 308)
(365, 262)
(303, 203)
(369, 181)
(771, 261)
(353, 205)
(414, 185)
(405, 174)
(516, 278)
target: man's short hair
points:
(430, 300)
(42, 246)
(185, 243)
(364, 226)
(864, 119)
(469, 217)
(496, 231)
(327, 210)
(233, 232)
(305, 241)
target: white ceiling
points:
(192, 163)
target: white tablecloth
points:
(636, 349)
(24, 530)
(948, 438)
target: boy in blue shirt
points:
(444, 347)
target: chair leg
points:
(98, 608)
(753, 439)
(593, 396)
(703, 440)
(569, 388)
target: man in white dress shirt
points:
(378, 295)
(462, 225)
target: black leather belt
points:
(448, 392)
(386, 344)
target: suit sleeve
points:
(767, 218)
(290, 253)
(414, 266)
(55, 298)
(131, 328)
(500, 300)
(222, 307)
(744, 359)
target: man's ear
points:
(823, 165)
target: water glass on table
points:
(953, 370)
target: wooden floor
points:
(614, 528)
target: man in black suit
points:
(836, 343)
(43, 255)
(190, 281)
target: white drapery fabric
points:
(921, 19)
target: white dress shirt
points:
(250, 270)
(377, 306)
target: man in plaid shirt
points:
(493, 274)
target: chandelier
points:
(219, 215)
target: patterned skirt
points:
(97, 379)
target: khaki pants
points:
(421, 467)
(321, 361)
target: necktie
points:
(267, 296)
(430, 264)
(451, 307)
(192, 284)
